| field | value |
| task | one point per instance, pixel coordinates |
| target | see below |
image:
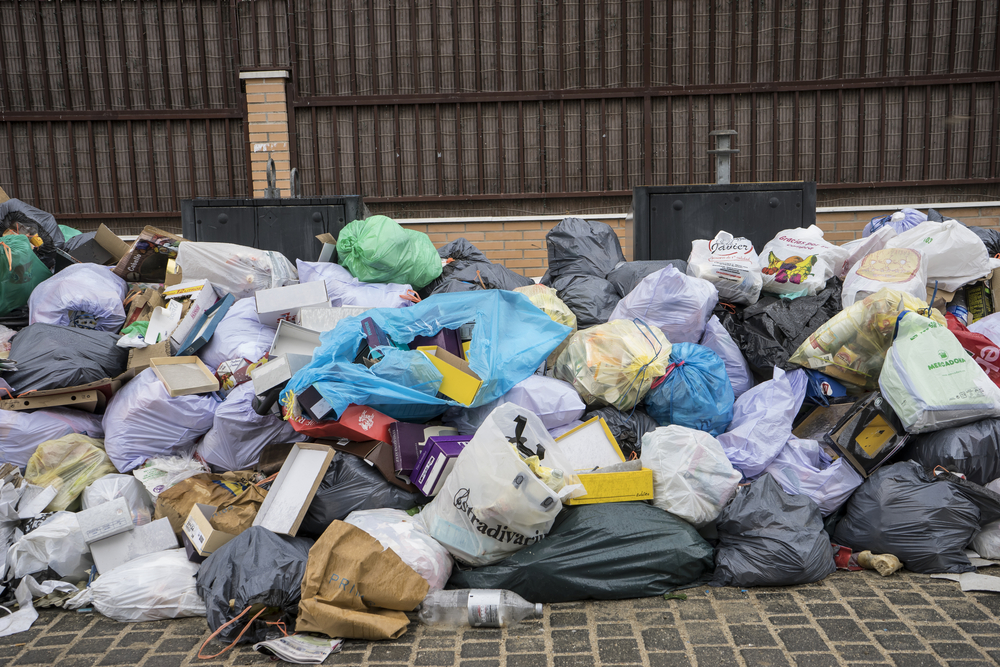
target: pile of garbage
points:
(320, 447)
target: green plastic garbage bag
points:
(931, 381)
(20, 272)
(378, 250)
(69, 232)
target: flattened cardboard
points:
(183, 376)
(63, 396)
(139, 357)
(105, 520)
(118, 549)
(205, 327)
(460, 383)
(198, 529)
(284, 303)
(111, 242)
(293, 489)
(4, 197)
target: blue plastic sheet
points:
(695, 392)
(510, 339)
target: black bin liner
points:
(472, 270)
(580, 247)
(971, 449)
(630, 274)
(53, 357)
(591, 299)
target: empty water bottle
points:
(479, 608)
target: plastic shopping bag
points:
(678, 304)
(87, 296)
(695, 391)
(899, 269)
(859, 248)
(614, 363)
(692, 478)
(953, 253)
(235, 269)
(379, 250)
(931, 382)
(718, 340)
(69, 464)
(406, 536)
(730, 264)
(57, 544)
(493, 503)
(803, 467)
(851, 347)
(20, 272)
(799, 261)
(346, 290)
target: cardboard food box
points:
(326, 318)
(869, 434)
(436, 462)
(293, 489)
(118, 549)
(201, 535)
(105, 520)
(590, 447)
(407, 442)
(183, 376)
(284, 303)
(200, 296)
(205, 326)
(146, 259)
(460, 383)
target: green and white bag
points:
(931, 381)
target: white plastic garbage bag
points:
(692, 478)
(953, 253)
(678, 304)
(235, 269)
(762, 421)
(406, 536)
(160, 473)
(153, 587)
(113, 486)
(87, 296)
(718, 340)
(143, 421)
(798, 262)
(931, 382)
(346, 290)
(57, 543)
(730, 264)
(238, 336)
(802, 467)
(492, 504)
(238, 433)
(858, 248)
(22, 432)
(900, 269)
(22, 619)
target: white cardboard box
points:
(283, 303)
(113, 551)
(293, 489)
(203, 297)
(105, 520)
(326, 318)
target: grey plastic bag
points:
(971, 449)
(592, 299)
(924, 520)
(53, 357)
(471, 269)
(630, 274)
(580, 247)
(770, 538)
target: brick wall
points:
(520, 246)
(267, 129)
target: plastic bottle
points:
(477, 607)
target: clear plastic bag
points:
(70, 464)
(545, 299)
(692, 478)
(730, 264)
(160, 473)
(113, 486)
(614, 363)
(235, 269)
(406, 536)
(802, 467)
(492, 503)
(852, 345)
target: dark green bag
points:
(20, 272)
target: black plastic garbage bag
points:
(462, 248)
(989, 237)
(21, 218)
(52, 357)
(351, 484)
(769, 331)
(79, 240)
(580, 247)
(630, 274)
(971, 449)
(472, 270)
(926, 521)
(608, 551)
(627, 427)
(591, 299)
(770, 538)
(256, 567)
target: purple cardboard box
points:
(407, 440)
(446, 339)
(436, 461)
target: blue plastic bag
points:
(409, 368)
(695, 392)
(510, 339)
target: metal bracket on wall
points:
(296, 184)
(722, 153)
(271, 192)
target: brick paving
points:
(851, 618)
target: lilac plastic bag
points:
(676, 303)
(82, 295)
(238, 434)
(762, 421)
(900, 221)
(802, 467)
(22, 432)
(238, 336)
(346, 290)
(554, 401)
(143, 421)
(718, 340)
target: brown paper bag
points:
(355, 589)
(237, 499)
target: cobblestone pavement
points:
(851, 618)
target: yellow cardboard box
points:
(460, 383)
(591, 445)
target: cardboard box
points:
(378, 454)
(200, 533)
(293, 489)
(201, 296)
(591, 447)
(105, 248)
(105, 520)
(408, 440)
(139, 357)
(118, 549)
(205, 327)
(446, 339)
(357, 422)
(174, 275)
(141, 306)
(183, 376)
(81, 396)
(146, 259)
(460, 383)
(284, 303)
(436, 462)
(326, 318)
(869, 434)
(295, 342)
(328, 252)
